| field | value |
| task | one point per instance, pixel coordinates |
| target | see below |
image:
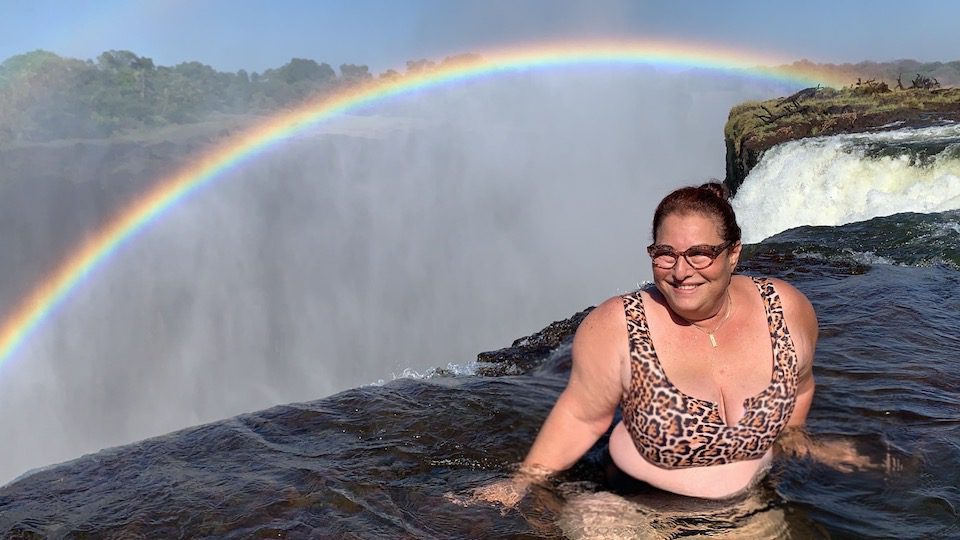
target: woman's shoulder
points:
(608, 312)
(602, 335)
(788, 293)
(614, 309)
(797, 309)
(793, 299)
(606, 321)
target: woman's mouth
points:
(686, 286)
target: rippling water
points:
(383, 461)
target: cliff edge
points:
(756, 126)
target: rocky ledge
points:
(754, 127)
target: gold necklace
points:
(710, 333)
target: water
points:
(380, 461)
(404, 236)
(846, 178)
(383, 460)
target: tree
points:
(142, 69)
(390, 75)
(299, 69)
(43, 95)
(352, 73)
(419, 66)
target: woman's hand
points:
(507, 492)
(839, 454)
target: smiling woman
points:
(709, 368)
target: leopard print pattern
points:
(673, 430)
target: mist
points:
(400, 238)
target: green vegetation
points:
(45, 97)
(828, 111)
(756, 126)
(946, 73)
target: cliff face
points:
(53, 195)
(754, 127)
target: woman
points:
(708, 367)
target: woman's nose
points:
(682, 269)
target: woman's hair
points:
(710, 199)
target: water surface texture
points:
(372, 243)
(388, 461)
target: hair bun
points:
(718, 189)
(710, 199)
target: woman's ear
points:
(734, 257)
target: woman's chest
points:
(728, 378)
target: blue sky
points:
(259, 34)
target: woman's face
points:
(694, 294)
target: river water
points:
(383, 461)
(393, 460)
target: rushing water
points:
(845, 178)
(390, 461)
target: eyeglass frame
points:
(715, 252)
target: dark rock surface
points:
(529, 352)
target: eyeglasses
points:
(698, 257)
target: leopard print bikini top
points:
(673, 430)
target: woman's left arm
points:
(840, 454)
(801, 319)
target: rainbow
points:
(170, 191)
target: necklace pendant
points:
(713, 340)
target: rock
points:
(754, 127)
(528, 353)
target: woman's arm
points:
(584, 410)
(802, 323)
(837, 453)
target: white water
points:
(830, 181)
